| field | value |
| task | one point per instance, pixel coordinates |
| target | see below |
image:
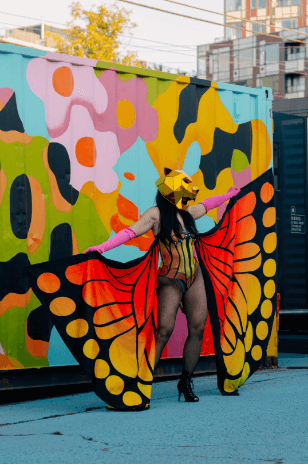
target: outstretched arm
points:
(142, 226)
(197, 211)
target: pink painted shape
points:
(176, 342)
(107, 148)
(87, 92)
(220, 211)
(242, 178)
(135, 91)
(5, 95)
(71, 59)
(1, 350)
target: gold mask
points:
(177, 187)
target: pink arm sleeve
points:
(121, 237)
(213, 202)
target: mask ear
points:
(167, 171)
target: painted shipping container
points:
(82, 143)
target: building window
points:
(257, 4)
(201, 67)
(272, 53)
(294, 83)
(287, 23)
(288, 2)
(234, 5)
(234, 33)
(294, 53)
(259, 28)
(262, 56)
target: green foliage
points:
(99, 37)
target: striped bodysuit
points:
(178, 259)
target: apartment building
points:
(246, 57)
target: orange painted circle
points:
(63, 81)
(86, 152)
(62, 306)
(267, 192)
(129, 176)
(48, 282)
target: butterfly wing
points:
(105, 311)
(238, 260)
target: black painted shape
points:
(39, 324)
(20, 206)
(188, 107)
(220, 156)
(9, 117)
(59, 163)
(61, 242)
(13, 275)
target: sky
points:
(158, 38)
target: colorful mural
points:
(81, 145)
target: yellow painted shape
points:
(269, 289)
(125, 114)
(114, 384)
(256, 352)
(262, 330)
(237, 297)
(223, 182)
(270, 242)
(101, 369)
(260, 150)
(105, 203)
(145, 389)
(266, 309)
(77, 328)
(131, 399)
(122, 353)
(62, 306)
(269, 268)
(91, 348)
(211, 114)
(144, 372)
(235, 361)
(269, 217)
(232, 385)
(230, 334)
(252, 289)
(248, 337)
(272, 347)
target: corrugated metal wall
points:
(81, 145)
(290, 169)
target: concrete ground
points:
(267, 423)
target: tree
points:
(100, 36)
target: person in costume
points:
(180, 280)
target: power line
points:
(211, 22)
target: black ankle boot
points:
(186, 386)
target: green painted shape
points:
(239, 161)
(15, 159)
(157, 82)
(12, 334)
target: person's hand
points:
(98, 248)
(233, 191)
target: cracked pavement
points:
(267, 423)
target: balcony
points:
(295, 65)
